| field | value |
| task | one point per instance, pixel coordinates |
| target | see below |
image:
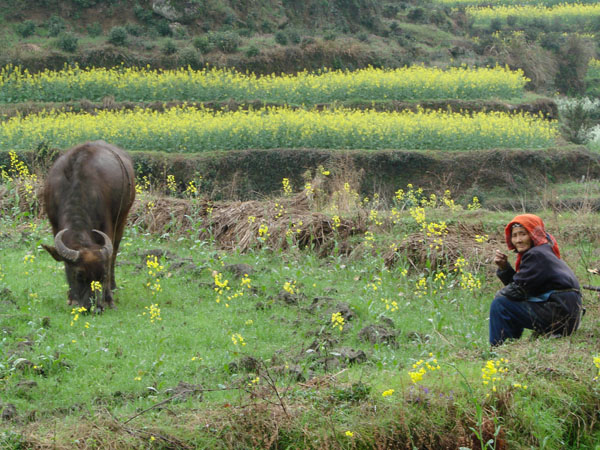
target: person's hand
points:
(501, 260)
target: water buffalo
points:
(88, 193)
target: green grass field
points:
(269, 363)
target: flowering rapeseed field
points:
(135, 84)
(576, 14)
(189, 129)
(512, 2)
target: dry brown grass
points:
(235, 225)
(421, 250)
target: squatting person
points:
(541, 293)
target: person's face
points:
(520, 239)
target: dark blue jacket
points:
(540, 271)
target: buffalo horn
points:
(64, 251)
(108, 247)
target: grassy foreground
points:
(360, 347)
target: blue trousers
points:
(560, 314)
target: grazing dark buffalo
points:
(88, 193)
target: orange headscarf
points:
(535, 227)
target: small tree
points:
(26, 28)
(67, 42)
(56, 25)
(117, 36)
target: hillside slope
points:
(286, 36)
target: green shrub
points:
(202, 43)
(56, 25)
(163, 28)
(266, 27)
(281, 38)
(94, 29)
(67, 42)
(26, 28)
(252, 51)
(294, 36)
(169, 47)
(188, 56)
(134, 29)
(143, 14)
(495, 25)
(226, 41)
(330, 36)
(416, 15)
(117, 36)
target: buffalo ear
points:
(53, 252)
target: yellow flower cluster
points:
(142, 185)
(369, 239)
(153, 311)
(337, 222)
(237, 338)
(18, 174)
(387, 393)
(324, 86)
(191, 190)
(474, 205)
(171, 184)
(177, 130)
(222, 286)
(597, 364)
(290, 288)
(75, 313)
(373, 217)
(422, 366)
(263, 231)
(467, 280)
(287, 188)
(154, 270)
(390, 305)
(96, 286)
(337, 321)
(492, 372)
(27, 260)
(294, 228)
(481, 238)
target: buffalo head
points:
(87, 267)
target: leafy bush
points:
(294, 36)
(94, 29)
(576, 121)
(252, 51)
(134, 29)
(169, 47)
(226, 41)
(188, 56)
(26, 28)
(416, 15)
(117, 36)
(143, 14)
(67, 42)
(56, 25)
(202, 43)
(281, 38)
(573, 60)
(163, 28)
